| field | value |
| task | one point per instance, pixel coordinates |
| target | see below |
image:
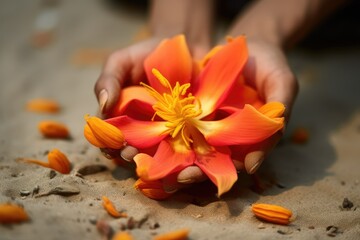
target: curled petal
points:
(172, 58)
(273, 109)
(136, 102)
(140, 134)
(152, 189)
(102, 134)
(56, 160)
(218, 166)
(110, 208)
(220, 74)
(246, 126)
(165, 161)
(59, 162)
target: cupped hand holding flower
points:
(197, 115)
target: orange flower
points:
(102, 134)
(152, 189)
(110, 208)
(43, 105)
(194, 113)
(12, 213)
(53, 129)
(56, 160)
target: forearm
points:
(282, 22)
(192, 18)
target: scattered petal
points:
(110, 208)
(272, 213)
(180, 234)
(43, 105)
(53, 129)
(56, 160)
(122, 236)
(12, 213)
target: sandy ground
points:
(312, 179)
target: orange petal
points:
(165, 161)
(12, 213)
(273, 109)
(246, 126)
(102, 134)
(53, 129)
(152, 189)
(110, 208)
(140, 134)
(122, 236)
(218, 166)
(181, 234)
(59, 162)
(220, 74)
(172, 58)
(43, 105)
(241, 94)
(56, 160)
(136, 102)
(209, 55)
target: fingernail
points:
(128, 153)
(190, 174)
(170, 189)
(253, 161)
(103, 97)
(186, 181)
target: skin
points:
(271, 27)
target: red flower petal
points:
(245, 126)
(136, 102)
(173, 60)
(165, 162)
(220, 74)
(218, 166)
(140, 134)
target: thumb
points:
(113, 76)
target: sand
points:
(311, 179)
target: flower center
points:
(177, 108)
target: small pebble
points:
(93, 220)
(261, 226)
(52, 174)
(24, 193)
(128, 153)
(347, 203)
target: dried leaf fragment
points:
(122, 236)
(102, 134)
(56, 160)
(12, 213)
(272, 213)
(180, 234)
(152, 189)
(43, 105)
(110, 208)
(53, 129)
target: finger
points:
(256, 154)
(191, 174)
(128, 153)
(115, 72)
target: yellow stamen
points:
(175, 107)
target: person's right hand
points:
(123, 67)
